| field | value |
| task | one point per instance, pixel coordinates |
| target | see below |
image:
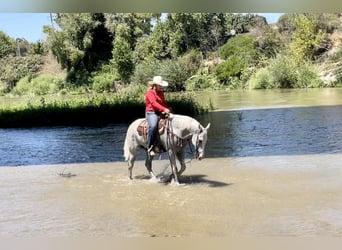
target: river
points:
(247, 123)
(273, 168)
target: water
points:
(275, 122)
(58, 145)
(273, 169)
(247, 123)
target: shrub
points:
(40, 85)
(171, 70)
(261, 80)
(243, 46)
(191, 61)
(145, 71)
(3, 88)
(12, 69)
(103, 82)
(231, 68)
(308, 76)
(174, 72)
(283, 72)
(286, 73)
(23, 87)
(202, 81)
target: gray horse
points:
(179, 131)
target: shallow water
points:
(249, 196)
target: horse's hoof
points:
(176, 183)
(154, 179)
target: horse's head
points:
(199, 141)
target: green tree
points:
(306, 38)
(155, 46)
(81, 44)
(128, 28)
(39, 48)
(240, 52)
(12, 69)
(242, 45)
(137, 25)
(7, 45)
(123, 58)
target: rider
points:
(155, 106)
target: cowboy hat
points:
(159, 80)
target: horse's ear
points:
(207, 127)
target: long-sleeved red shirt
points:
(155, 101)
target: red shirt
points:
(155, 101)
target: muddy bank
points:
(246, 196)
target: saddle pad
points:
(143, 126)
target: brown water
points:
(258, 196)
(274, 169)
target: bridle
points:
(181, 141)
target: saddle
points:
(143, 126)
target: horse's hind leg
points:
(180, 157)
(131, 165)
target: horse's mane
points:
(184, 122)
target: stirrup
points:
(151, 152)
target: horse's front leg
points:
(180, 157)
(148, 165)
(173, 166)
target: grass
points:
(86, 110)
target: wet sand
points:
(246, 196)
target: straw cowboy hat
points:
(158, 80)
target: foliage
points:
(191, 61)
(163, 43)
(306, 38)
(123, 59)
(7, 45)
(261, 80)
(39, 48)
(131, 26)
(240, 53)
(284, 72)
(90, 109)
(244, 46)
(145, 71)
(81, 44)
(12, 69)
(103, 80)
(230, 69)
(202, 81)
(269, 42)
(100, 49)
(40, 85)
(171, 70)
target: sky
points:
(30, 25)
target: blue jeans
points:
(152, 120)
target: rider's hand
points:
(166, 111)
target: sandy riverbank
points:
(259, 196)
